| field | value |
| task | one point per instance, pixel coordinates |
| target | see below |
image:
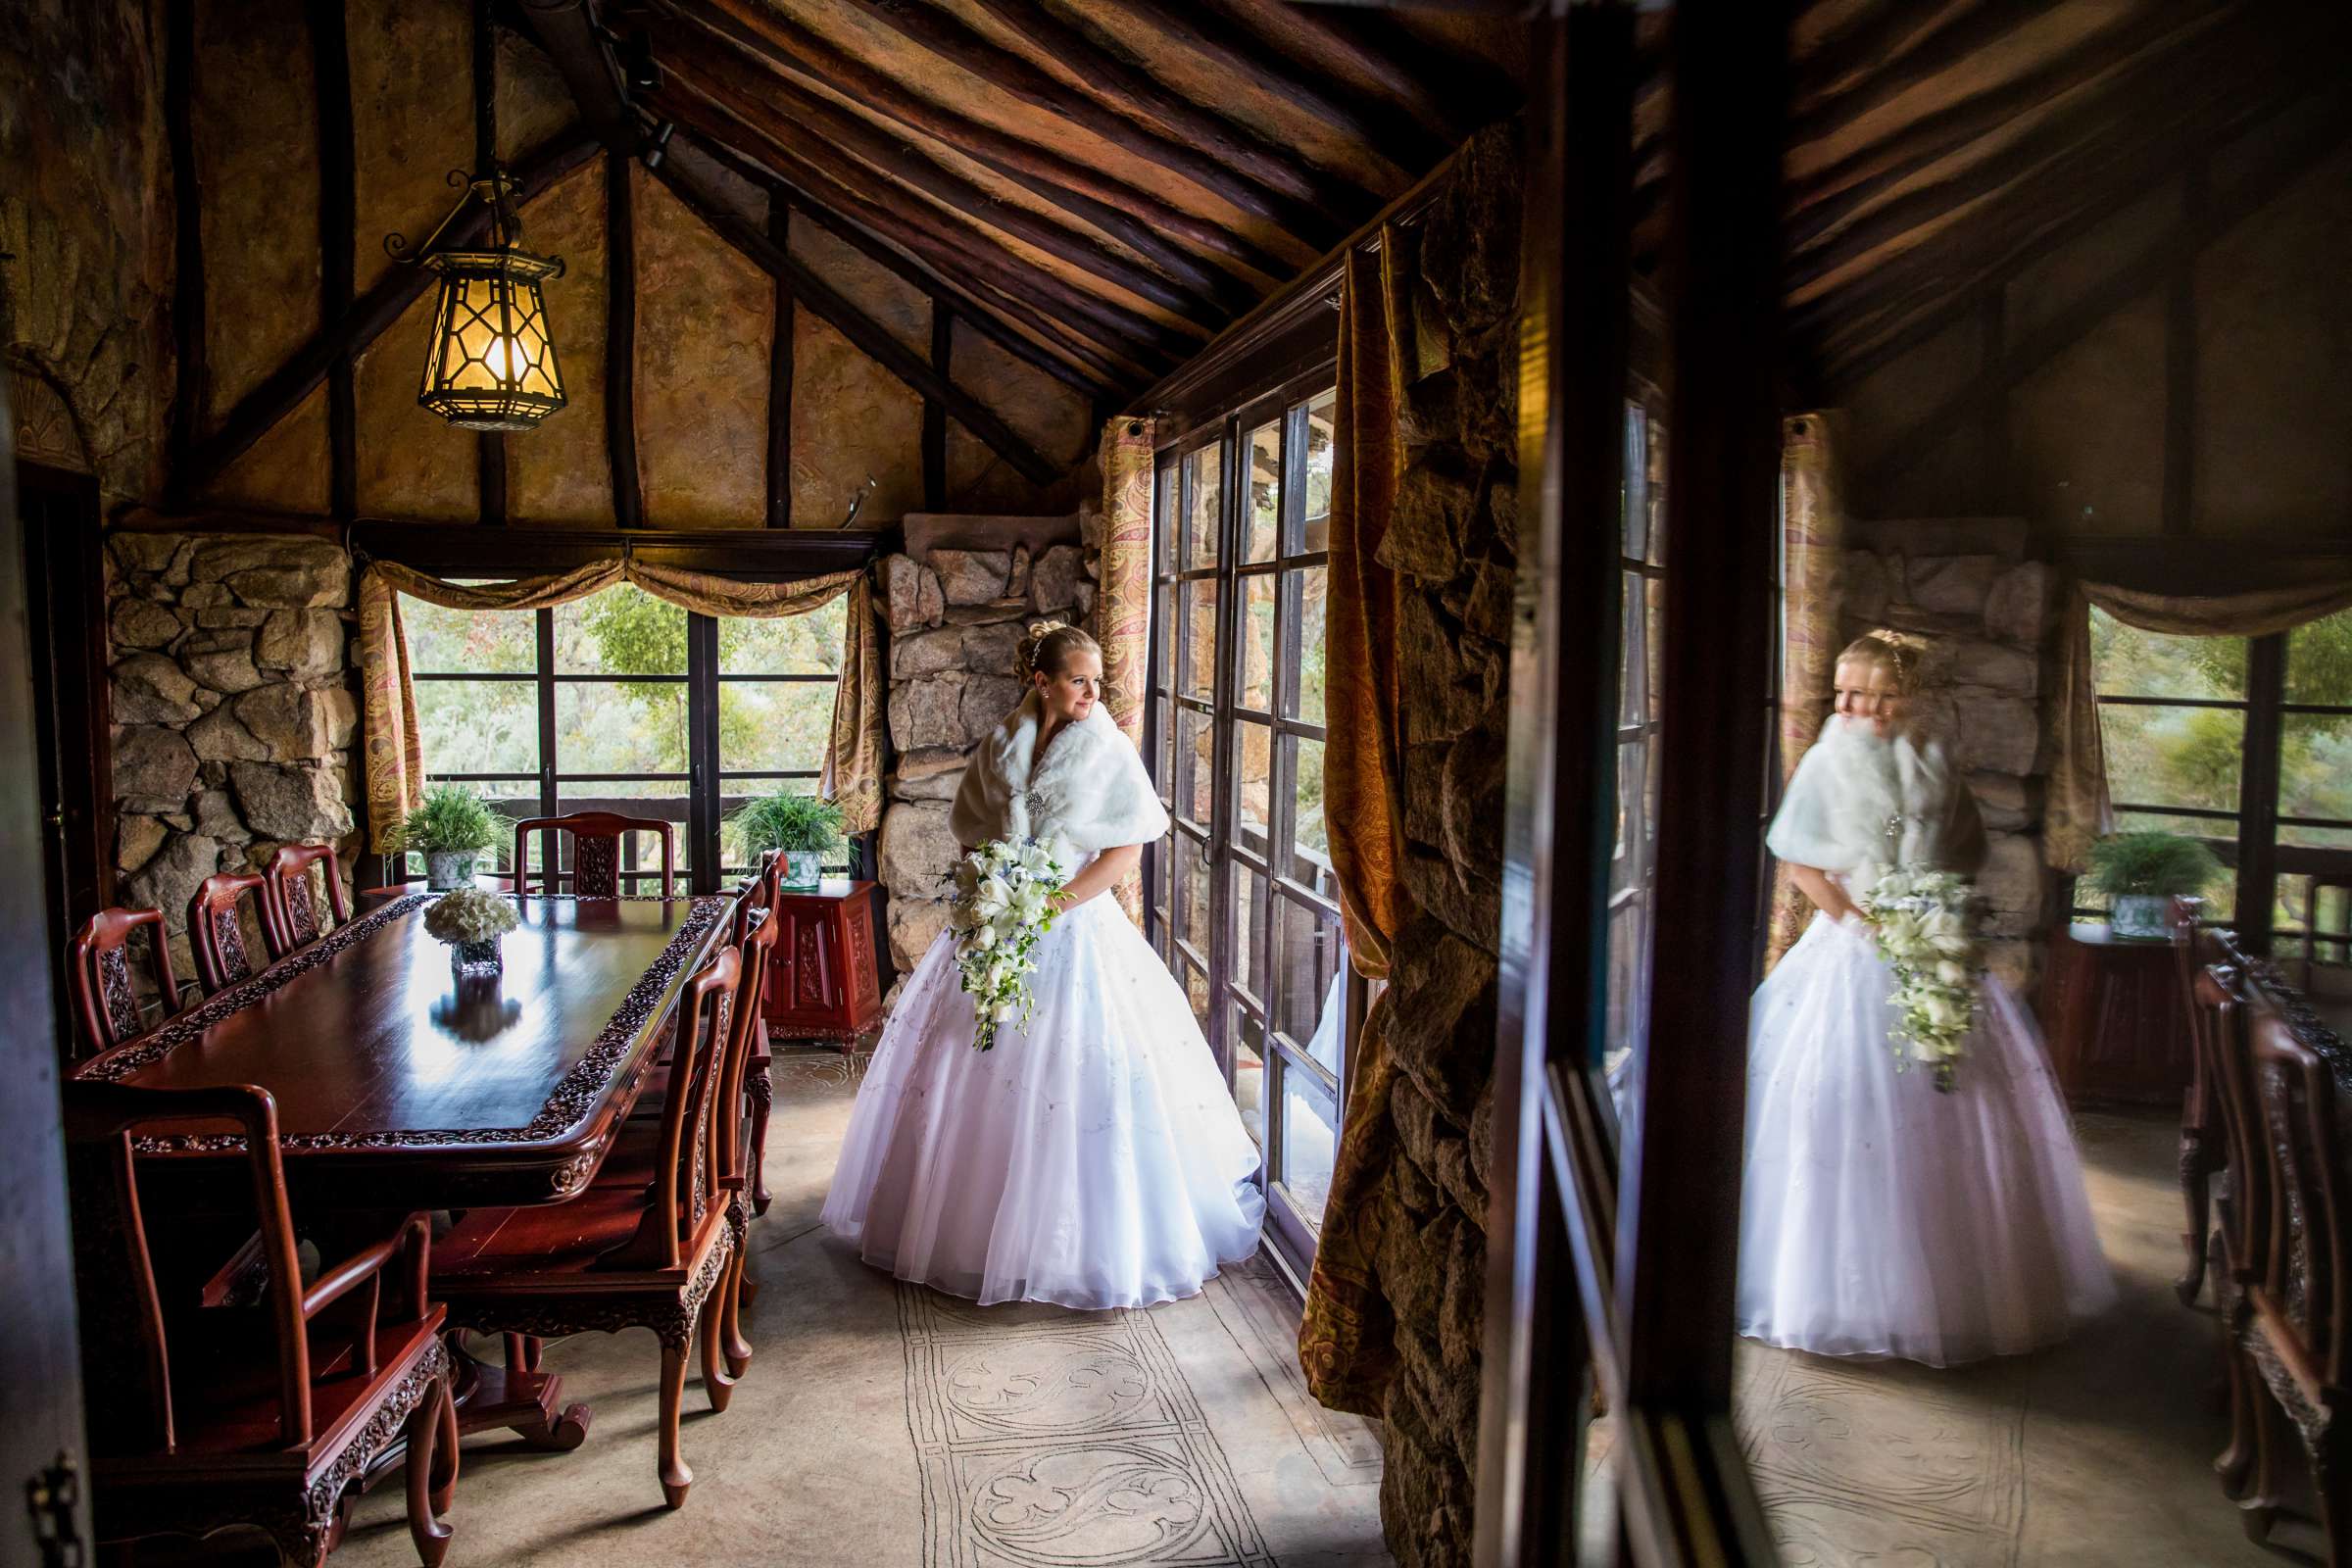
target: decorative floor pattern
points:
(1053, 1438)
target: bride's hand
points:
(1858, 923)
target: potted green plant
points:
(450, 827)
(2140, 871)
(804, 827)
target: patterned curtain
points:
(1123, 602)
(2077, 812)
(1345, 1341)
(1812, 529)
(394, 757)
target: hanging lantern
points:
(491, 365)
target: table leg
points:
(530, 1404)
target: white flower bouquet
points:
(1004, 903)
(1925, 925)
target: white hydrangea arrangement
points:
(1925, 925)
(1003, 904)
(470, 916)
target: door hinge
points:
(51, 1495)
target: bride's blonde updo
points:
(1048, 646)
(1895, 652)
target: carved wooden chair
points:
(2203, 1143)
(758, 1074)
(105, 996)
(2242, 1214)
(204, 1417)
(650, 1244)
(2298, 1324)
(290, 906)
(217, 927)
(595, 852)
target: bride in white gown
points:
(1092, 1158)
(1879, 1216)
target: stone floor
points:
(2096, 1452)
(885, 1425)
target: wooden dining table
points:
(403, 1086)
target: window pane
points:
(1308, 949)
(1256, 686)
(1308, 832)
(1164, 520)
(1163, 742)
(1251, 912)
(1195, 991)
(1163, 637)
(1310, 1139)
(1249, 1072)
(1254, 784)
(2173, 755)
(1634, 499)
(487, 726)
(1633, 667)
(771, 726)
(622, 631)
(2126, 662)
(621, 727)
(469, 642)
(1199, 607)
(2315, 765)
(787, 644)
(1309, 592)
(1203, 482)
(1192, 896)
(1321, 435)
(1194, 779)
(1653, 439)
(1261, 524)
(2319, 661)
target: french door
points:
(1242, 900)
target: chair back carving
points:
(2303, 1272)
(289, 903)
(595, 852)
(126, 1362)
(105, 993)
(2221, 1037)
(216, 928)
(687, 1176)
(758, 946)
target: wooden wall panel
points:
(704, 315)
(257, 147)
(559, 473)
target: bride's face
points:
(1071, 693)
(1867, 695)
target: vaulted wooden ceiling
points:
(1102, 184)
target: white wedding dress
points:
(1094, 1159)
(1880, 1217)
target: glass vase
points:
(477, 958)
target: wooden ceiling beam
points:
(924, 232)
(1060, 361)
(1382, 127)
(1261, 183)
(1443, 92)
(1941, 48)
(792, 47)
(927, 231)
(280, 392)
(1193, 298)
(865, 333)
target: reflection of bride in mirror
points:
(1883, 1215)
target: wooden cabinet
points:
(823, 982)
(2112, 1014)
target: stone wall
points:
(232, 708)
(955, 619)
(1454, 543)
(1987, 613)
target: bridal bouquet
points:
(1924, 922)
(1004, 903)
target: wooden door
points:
(40, 1367)
(1612, 1238)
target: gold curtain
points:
(394, 755)
(1812, 531)
(1123, 602)
(1345, 1343)
(2077, 812)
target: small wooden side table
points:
(823, 983)
(2112, 1014)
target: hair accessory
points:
(1905, 649)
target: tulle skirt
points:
(1883, 1218)
(1094, 1159)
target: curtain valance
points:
(394, 753)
